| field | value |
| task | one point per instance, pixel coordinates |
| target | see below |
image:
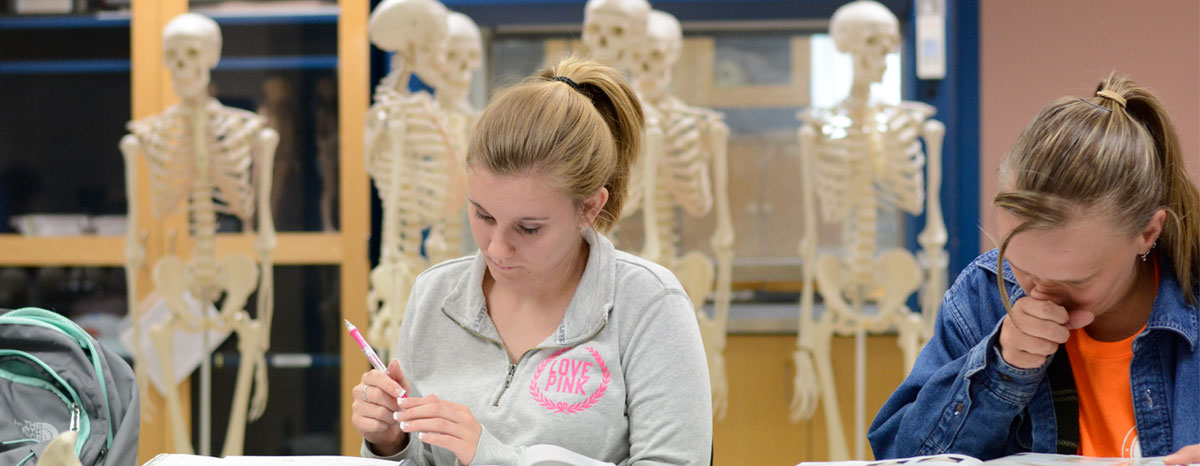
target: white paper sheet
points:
(189, 351)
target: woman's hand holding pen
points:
(1034, 329)
(443, 424)
(375, 406)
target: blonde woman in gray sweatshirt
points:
(547, 335)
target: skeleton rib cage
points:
(423, 175)
(685, 165)
(889, 152)
(684, 177)
(885, 156)
(225, 187)
(231, 134)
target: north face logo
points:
(42, 431)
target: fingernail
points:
(400, 401)
(400, 393)
(396, 416)
(421, 435)
(404, 426)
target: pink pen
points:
(371, 356)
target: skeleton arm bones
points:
(722, 240)
(651, 158)
(806, 392)
(264, 245)
(135, 254)
(933, 237)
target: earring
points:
(1146, 255)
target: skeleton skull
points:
(464, 50)
(652, 61)
(191, 49)
(868, 31)
(415, 31)
(612, 29)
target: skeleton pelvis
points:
(236, 277)
(712, 333)
(895, 277)
(391, 283)
(695, 272)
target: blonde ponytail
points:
(577, 123)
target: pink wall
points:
(1032, 51)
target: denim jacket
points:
(962, 397)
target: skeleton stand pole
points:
(205, 395)
(860, 377)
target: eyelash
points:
(521, 229)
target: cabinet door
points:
(282, 64)
(65, 95)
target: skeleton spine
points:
(203, 213)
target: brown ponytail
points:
(578, 123)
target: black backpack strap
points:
(1066, 402)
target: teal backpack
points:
(55, 377)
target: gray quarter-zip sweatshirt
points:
(623, 379)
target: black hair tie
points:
(566, 80)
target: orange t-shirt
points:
(1107, 427)
(1101, 369)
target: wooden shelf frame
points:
(109, 251)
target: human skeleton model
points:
(410, 155)
(683, 175)
(213, 159)
(464, 50)
(612, 31)
(858, 157)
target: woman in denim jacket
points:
(1079, 334)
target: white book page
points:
(196, 460)
(1047, 459)
(933, 460)
(553, 455)
(170, 459)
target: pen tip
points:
(348, 324)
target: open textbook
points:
(1020, 459)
